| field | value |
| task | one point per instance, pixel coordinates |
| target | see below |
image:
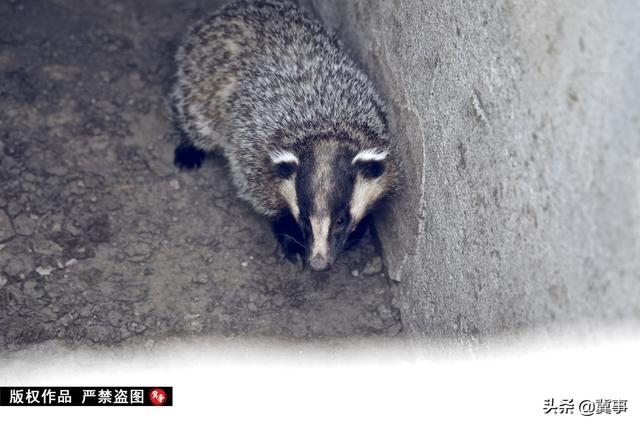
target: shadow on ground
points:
(102, 240)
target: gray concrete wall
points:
(519, 126)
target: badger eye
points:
(340, 221)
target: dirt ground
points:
(102, 240)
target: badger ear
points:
(370, 162)
(285, 163)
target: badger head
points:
(329, 188)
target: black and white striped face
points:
(329, 190)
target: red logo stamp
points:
(158, 397)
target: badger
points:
(303, 128)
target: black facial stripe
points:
(284, 170)
(304, 183)
(370, 169)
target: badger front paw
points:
(289, 237)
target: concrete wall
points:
(519, 124)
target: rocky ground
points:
(102, 240)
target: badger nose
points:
(318, 263)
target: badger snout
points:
(318, 263)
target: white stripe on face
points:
(370, 154)
(288, 186)
(282, 156)
(288, 191)
(365, 193)
(320, 229)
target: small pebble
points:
(195, 326)
(75, 231)
(355, 273)
(47, 247)
(67, 319)
(136, 327)
(19, 266)
(394, 329)
(278, 300)
(244, 263)
(138, 251)
(374, 266)
(32, 290)
(376, 323)
(71, 262)
(252, 307)
(24, 225)
(6, 228)
(44, 271)
(114, 318)
(175, 184)
(384, 312)
(201, 278)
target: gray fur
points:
(257, 77)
